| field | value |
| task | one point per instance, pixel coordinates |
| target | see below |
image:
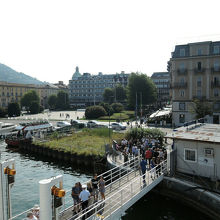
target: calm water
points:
(25, 192)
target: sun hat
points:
(36, 206)
(84, 186)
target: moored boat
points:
(25, 132)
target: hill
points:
(7, 74)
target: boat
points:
(30, 128)
(6, 128)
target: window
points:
(216, 92)
(182, 67)
(182, 52)
(199, 65)
(216, 66)
(182, 81)
(182, 93)
(182, 106)
(190, 155)
(199, 52)
(216, 50)
(199, 81)
(217, 106)
(181, 118)
(199, 92)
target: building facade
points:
(86, 89)
(197, 149)
(162, 82)
(12, 92)
(195, 74)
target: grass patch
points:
(86, 142)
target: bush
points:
(117, 107)
(139, 133)
(107, 108)
(94, 112)
(3, 113)
(34, 107)
(14, 110)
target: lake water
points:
(30, 170)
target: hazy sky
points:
(47, 39)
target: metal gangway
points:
(125, 186)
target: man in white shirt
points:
(30, 216)
(84, 197)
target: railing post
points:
(111, 182)
(131, 189)
(121, 196)
(148, 179)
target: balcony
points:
(199, 71)
(179, 85)
(182, 71)
(215, 84)
(215, 70)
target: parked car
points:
(118, 126)
(62, 124)
(78, 124)
(92, 124)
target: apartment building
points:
(195, 74)
(162, 82)
(86, 89)
(12, 92)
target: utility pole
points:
(136, 108)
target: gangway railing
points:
(112, 176)
(115, 202)
(113, 179)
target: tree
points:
(142, 87)
(117, 107)
(201, 108)
(120, 93)
(62, 100)
(28, 98)
(34, 107)
(52, 101)
(14, 110)
(94, 112)
(108, 95)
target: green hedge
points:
(139, 133)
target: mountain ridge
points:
(7, 74)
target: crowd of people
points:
(86, 195)
(150, 150)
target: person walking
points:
(143, 165)
(148, 156)
(95, 191)
(84, 198)
(102, 187)
(75, 195)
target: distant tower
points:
(76, 74)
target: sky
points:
(47, 39)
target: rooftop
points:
(197, 132)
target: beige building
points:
(195, 74)
(12, 92)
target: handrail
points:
(125, 166)
(156, 172)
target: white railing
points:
(115, 201)
(113, 180)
